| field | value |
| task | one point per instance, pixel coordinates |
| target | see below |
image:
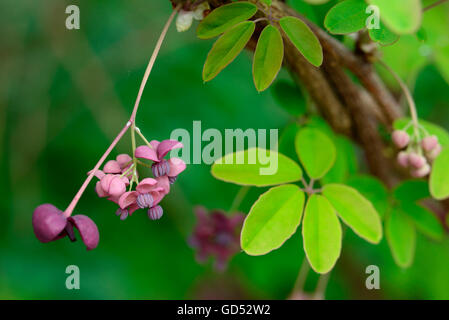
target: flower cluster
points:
(216, 234)
(118, 174)
(417, 154)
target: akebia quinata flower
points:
(156, 153)
(50, 224)
(217, 235)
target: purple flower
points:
(159, 150)
(50, 224)
(216, 234)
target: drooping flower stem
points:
(239, 198)
(408, 96)
(132, 119)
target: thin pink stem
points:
(78, 195)
(152, 60)
(72, 205)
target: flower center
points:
(160, 168)
(144, 200)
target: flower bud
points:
(184, 20)
(400, 138)
(422, 172)
(429, 143)
(434, 153)
(198, 13)
(417, 161)
(403, 159)
(155, 213)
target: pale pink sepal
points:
(176, 166)
(146, 152)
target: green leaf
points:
(272, 220)
(355, 210)
(346, 17)
(267, 2)
(383, 35)
(412, 191)
(372, 189)
(439, 177)
(400, 17)
(316, 152)
(227, 48)
(225, 17)
(345, 162)
(289, 97)
(321, 231)
(433, 129)
(425, 221)
(303, 39)
(268, 57)
(252, 167)
(401, 237)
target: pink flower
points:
(149, 192)
(421, 172)
(403, 159)
(159, 150)
(400, 138)
(417, 161)
(50, 224)
(216, 234)
(429, 143)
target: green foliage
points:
(424, 220)
(227, 48)
(267, 57)
(267, 2)
(401, 18)
(346, 17)
(345, 162)
(401, 237)
(355, 210)
(246, 168)
(289, 97)
(383, 35)
(322, 234)
(303, 39)
(272, 220)
(316, 152)
(225, 17)
(439, 177)
(411, 191)
(372, 189)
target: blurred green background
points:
(63, 97)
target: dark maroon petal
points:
(87, 229)
(48, 222)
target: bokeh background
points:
(65, 94)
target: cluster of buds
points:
(417, 154)
(186, 16)
(217, 235)
(120, 174)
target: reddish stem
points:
(69, 210)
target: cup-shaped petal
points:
(88, 230)
(146, 185)
(127, 199)
(124, 160)
(112, 166)
(176, 166)
(166, 146)
(48, 222)
(145, 152)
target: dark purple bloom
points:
(216, 234)
(49, 224)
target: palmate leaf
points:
(439, 177)
(316, 151)
(322, 234)
(346, 17)
(225, 17)
(236, 168)
(401, 237)
(355, 211)
(272, 220)
(267, 57)
(303, 39)
(401, 17)
(227, 48)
